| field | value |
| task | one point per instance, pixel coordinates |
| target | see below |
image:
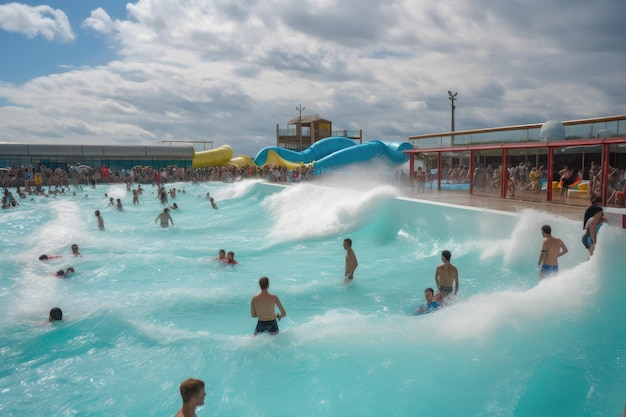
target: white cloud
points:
(32, 21)
(230, 71)
(100, 21)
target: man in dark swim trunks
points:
(263, 306)
(446, 276)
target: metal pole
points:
(300, 109)
(452, 98)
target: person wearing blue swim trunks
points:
(551, 249)
(263, 306)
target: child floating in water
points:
(45, 257)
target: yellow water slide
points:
(242, 161)
(213, 157)
(274, 159)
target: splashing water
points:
(149, 307)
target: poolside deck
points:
(574, 212)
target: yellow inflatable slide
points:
(213, 157)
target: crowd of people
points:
(33, 179)
(522, 177)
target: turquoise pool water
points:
(149, 307)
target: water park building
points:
(498, 162)
(304, 131)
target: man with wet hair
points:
(263, 306)
(446, 276)
(193, 393)
(551, 249)
(165, 218)
(351, 261)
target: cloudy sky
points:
(119, 72)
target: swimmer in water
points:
(61, 273)
(551, 249)
(193, 393)
(45, 257)
(75, 251)
(230, 258)
(351, 261)
(165, 218)
(263, 307)
(56, 314)
(100, 220)
(446, 276)
(221, 255)
(430, 305)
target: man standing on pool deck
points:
(165, 218)
(446, 276)
(262, 307)
(551, 249)
(351, 262)
(193, 393)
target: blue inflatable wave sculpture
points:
(335, 152)
(314, 152)
(390, 151)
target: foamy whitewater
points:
(150, 307)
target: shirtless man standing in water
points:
(446, 276)
(263, 306)
(351, 262)
(165, 218)
(551, 249)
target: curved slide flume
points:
(393, 152)
(213, 157)
(314, 152)
(333, 152)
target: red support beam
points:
(471, 172)
(549, 173)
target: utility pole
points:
(300, 110)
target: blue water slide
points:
(391, 152)
(315, 152)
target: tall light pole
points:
(452, 98)
(300, 109)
